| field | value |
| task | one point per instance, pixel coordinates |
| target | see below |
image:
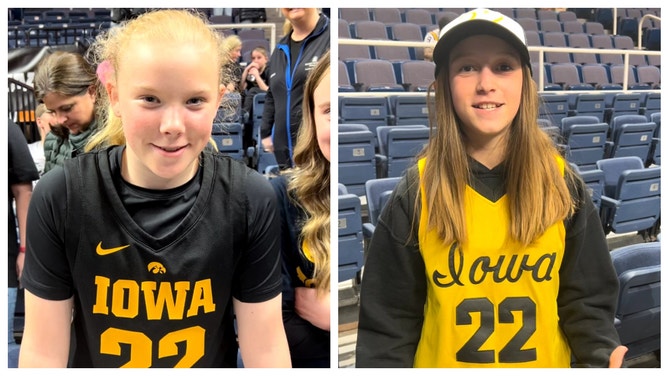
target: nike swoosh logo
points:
(107, 251)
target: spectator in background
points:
(232, 70)
(432, 36)
(22, 172)
(254, 80)
(44, 120)
(249, 15)
(306, 41)
(68, 87)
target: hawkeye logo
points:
(107, 251)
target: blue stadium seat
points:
(351, 242)
(590, 104)
(229, 139)
(632, 195)
(409, 109)
(627, 103)
(399, 145)
(372, 111)
(630, 135)
(584, 138)
(377, 194)
(638, 316)
(357, 160)
(650, 104)
(595, 182)
(553, 107)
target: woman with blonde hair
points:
(303, 194)
(124, 243)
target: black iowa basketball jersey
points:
(142, 301)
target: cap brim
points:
(469, 29)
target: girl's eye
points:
(505, 67)
(150, 99)
(196, 100)
(467, 68)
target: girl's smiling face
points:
(167, 105)
(485, 77)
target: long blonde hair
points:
(163, 27)
(310, 181)
(537, 192)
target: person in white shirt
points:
(44, 120)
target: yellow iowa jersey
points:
(491, 302)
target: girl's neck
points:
(303, 28)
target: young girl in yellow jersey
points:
(490, 252)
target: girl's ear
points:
(112, 93)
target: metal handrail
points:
(540, 49)
(265, 25)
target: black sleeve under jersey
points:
(258, 274)
(588, 286)
(46, 271)
(394, 289)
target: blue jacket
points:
(283, 104)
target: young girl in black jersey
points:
(303, 194)
(149, 246)
(490, 252)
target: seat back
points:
(229, 139)
(573, 27)
(402, 145)
(585, 137)
(553, 107)
(368, 30)
(623, 104)
(354, 14)
(375, 191)
(651, 104)
(376, 75)
(409, 110)
(550, 25)
(638, 316)
(372, 111)
(417, 74)
(351, 241)
(356, 160)
(639, 192)
(386, 15)
(595, 181)
(649, 75)
(590, 105)
(631, 135)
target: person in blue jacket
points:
(295, 55)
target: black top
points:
(130, 281)
(283, 104)
(21, 169)
(307, 342)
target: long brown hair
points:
(310, 182)
(537, 192)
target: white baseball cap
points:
(476, 22)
